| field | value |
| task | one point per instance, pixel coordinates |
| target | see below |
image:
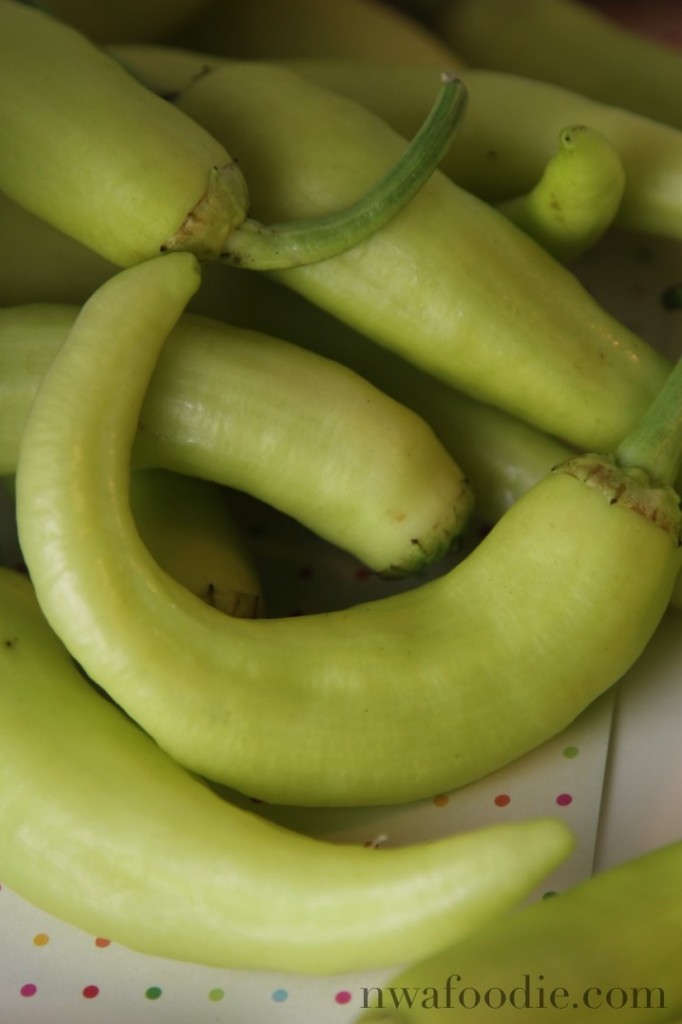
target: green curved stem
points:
(655, 445)
(255, 246)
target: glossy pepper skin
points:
(104, 830)
(152, 179)
(231, 405)
(395, 699)
(449, 284)
(161, 183)
(607, 949)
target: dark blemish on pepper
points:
(10, 642)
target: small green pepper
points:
(386, 701)
(605, 950)
(450, 284)
(104, 830)
(229, 405)
(131, 176)
(577, 197)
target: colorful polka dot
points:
(41, 939)
(28, 990)
(442, 800)
(571, 752)
(564, 799)
(91, 991)
(502, 799)
(153, 993)
(102, 943)
(280, 995)
(216, 994)
(362, 573)
(342, 997)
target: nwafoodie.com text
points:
(530, 994)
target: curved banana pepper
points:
(95, 153)
(450, 284)
(384, 702)
(104, 830)
(608, 948)
(569, 43)
(229, 405)
(507, 137)
(500, 455)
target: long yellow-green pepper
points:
(510, 133)
(95, 153)
(386, 701)
(501, 456)
(567, 42)
(605, 950)
(450, 284)
(127, 20)
(229, 405)
(104, 830)
(297, 28)
(507, 137)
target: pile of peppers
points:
(325, 254)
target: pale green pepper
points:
(229, 405)
(104, 830)
(450, 284)
(572, 44)
(386, 701)
(507, 137)
(270, 29)
(130, 176)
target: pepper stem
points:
(655, 445)
(254, 246)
